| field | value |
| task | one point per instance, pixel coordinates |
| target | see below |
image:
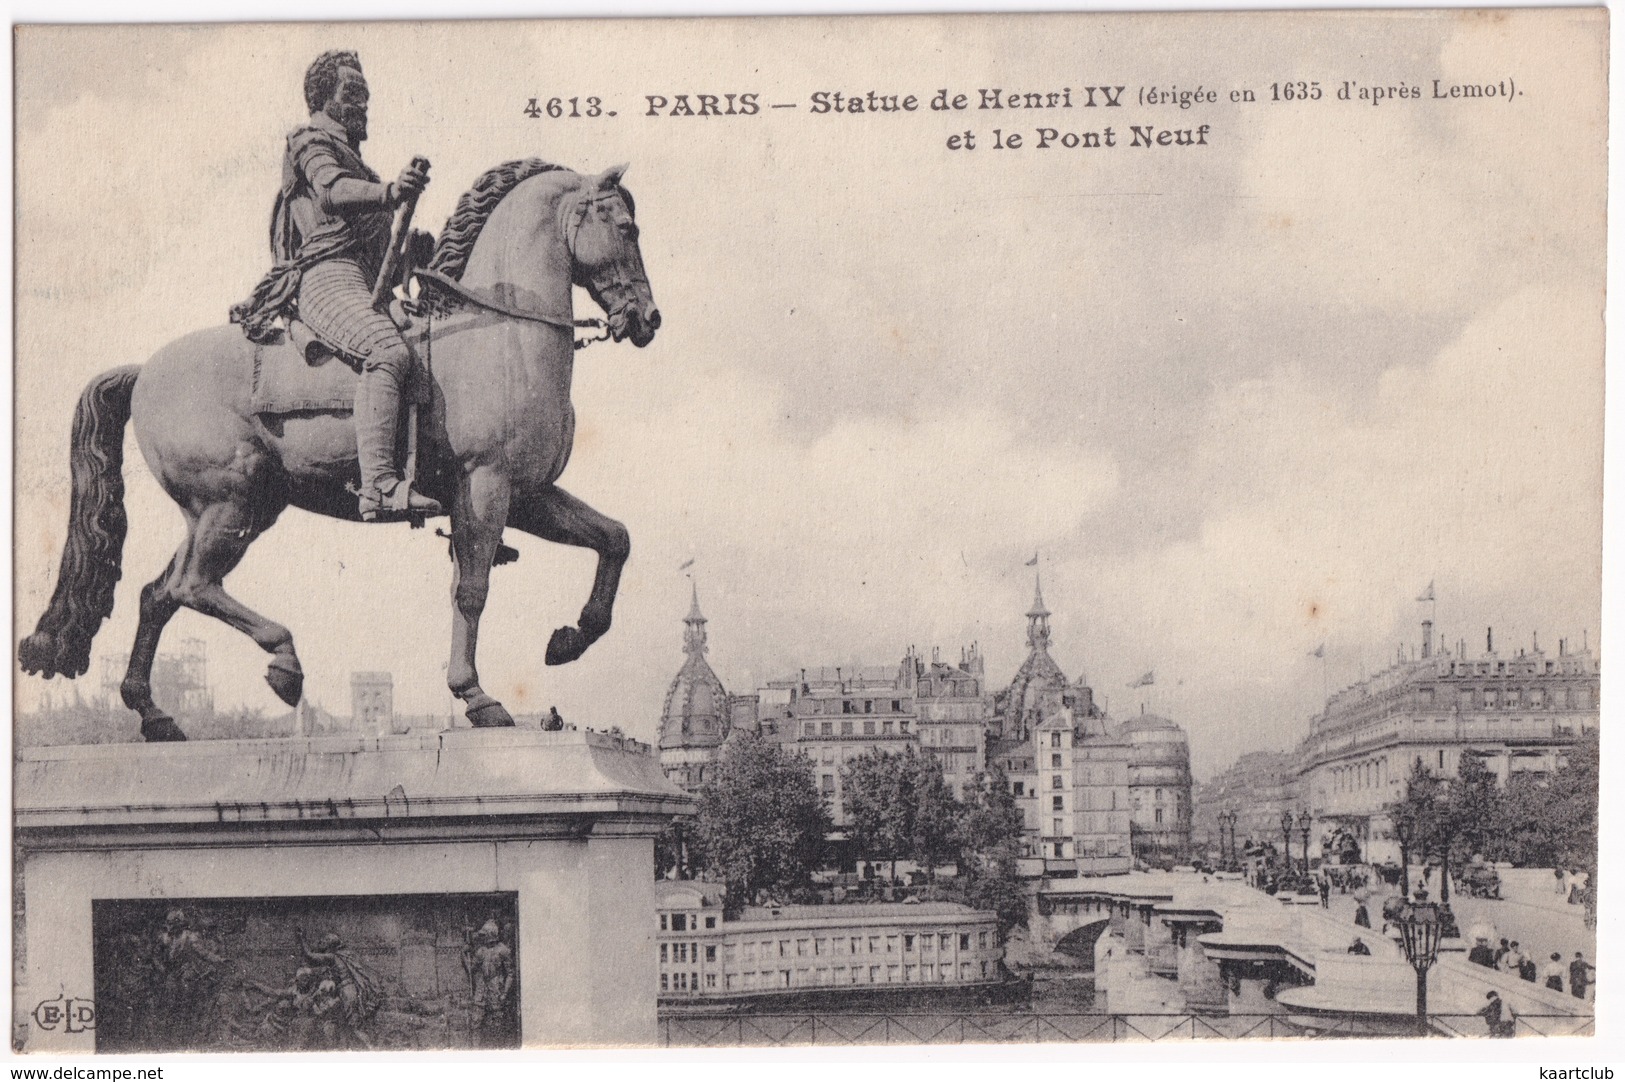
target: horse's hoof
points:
(566, 645)
(289, 684)
(489, 716)
(160, 728)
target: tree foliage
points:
(1535, 820)
(900, 807)
(761, 824)
(990, 844)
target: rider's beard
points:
(353, 117)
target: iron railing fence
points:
(743, 1029)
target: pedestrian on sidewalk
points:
(1492, 1012)
(1481, 954)
(1580, 972)
(1325, 893)
(1527, 970)
(1359, 947)
(1361, 916)
(1512, 961)
(1553, 972)
(1562, 880)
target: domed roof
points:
(1147, 723)
(696, 710)
(1039, 679)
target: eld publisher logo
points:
(69, 1015)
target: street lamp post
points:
(1304, 822)
(1420, 930)
(1228, 856)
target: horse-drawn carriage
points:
(1480, 881)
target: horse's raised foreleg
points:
(221, 537)
(158, 605)
(477, 516)
(559, 517)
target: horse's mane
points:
(474, 210)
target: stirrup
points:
(400, 504)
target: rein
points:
(491, 304)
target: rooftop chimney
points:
(1427, 639)
(1489, 640)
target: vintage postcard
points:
(953, 529)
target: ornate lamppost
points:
(1420, 929)
(1304, 822)
(1228, 857)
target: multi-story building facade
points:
(834, 714)
(1257, 788)
(1069, 767)
(808, 948)
(1514, 712)
(1159, 777)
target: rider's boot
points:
(384, 496)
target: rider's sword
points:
(398, 236)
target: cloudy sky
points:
(1243, 399)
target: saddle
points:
(296, 372)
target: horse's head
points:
(603, 239)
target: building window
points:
(710, 954)
(1018, 788)
(664, 983)
(1159, 795)
(1055, 781)
(868, 706)
(1058, 803)
(908, 942)
(663, 922)
(868, 728)
(902, 726)
(1054, 740)
(885, 727)
(662, 953)
(897, 706)
(964, 941)
(1056, 828)
(846, 728)
(1055, 762)
(1441, 758)
(809, 729)
(679, 922)
(826, 784)
(981, 941)
(711, 978)
(1159, 816)
(827, 728)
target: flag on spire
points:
(1427, 595)
(1145, 681)
(1319, 651)
(685, 565)
(1034, 561)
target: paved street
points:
(1529, 911)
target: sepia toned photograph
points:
(708, 533)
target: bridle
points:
(622, 288)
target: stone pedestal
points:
(550, 831)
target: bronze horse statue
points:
(496, 434)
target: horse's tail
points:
(61, 641)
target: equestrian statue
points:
(331, 375)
